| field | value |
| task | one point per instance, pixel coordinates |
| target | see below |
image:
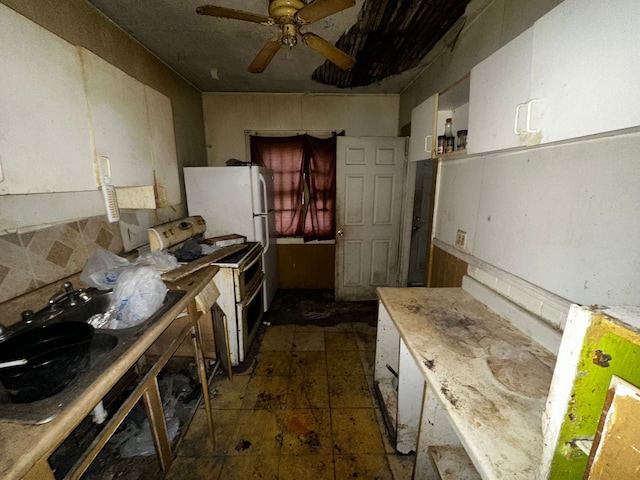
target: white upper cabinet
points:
(118, 111)
(45, 143)
(574, 73)
(162, 143)
(586, 68)
(422, 122)
(499, 91)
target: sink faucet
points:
(70, 293)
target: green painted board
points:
(609, 348)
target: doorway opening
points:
(423, 200)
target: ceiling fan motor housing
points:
(284, 11)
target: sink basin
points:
(105, 348)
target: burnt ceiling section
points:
(390, 37)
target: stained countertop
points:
(490, 378)
(23, 446)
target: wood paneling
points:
(306, 266)
(446, 270)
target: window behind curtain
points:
(301, 163)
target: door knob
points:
(340, 233)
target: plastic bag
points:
(136, 439)
(137, 294)
(161, 260)
(103, 269)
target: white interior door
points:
(370, 175)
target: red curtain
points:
(294, 160)
(285, 156)
(320, 221)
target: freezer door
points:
(223, 197)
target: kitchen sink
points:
(106, 347)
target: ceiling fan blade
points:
(331, 53)
(265, 55)
(222, 12)
(322, 8)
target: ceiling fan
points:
(289, 16)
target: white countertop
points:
(490, 378)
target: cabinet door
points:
(421, 142)
(162, 143)
(119, 120)
(44, 132)
(500, 88)
(586, 68)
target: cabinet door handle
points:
(104, 167)
(428, 144)
(529, 103)
(515, 121)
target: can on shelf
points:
(442, 145)
(462, 139)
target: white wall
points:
(564, 218)
(228, 115)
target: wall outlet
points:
(461, 240)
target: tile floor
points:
(303, 410)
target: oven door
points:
(248, 274)
(249, 314)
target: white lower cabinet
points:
(399, 385)
(462, 395)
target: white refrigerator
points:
(240, 200)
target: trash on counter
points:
(226, 240)
(103, 269)
(190, 250)
(161, 260)
(137, 294)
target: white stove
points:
(240, 282)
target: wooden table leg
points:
(153, 404)
(193, 313)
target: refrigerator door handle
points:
(261, 223)
(264, 213)
(263, 182)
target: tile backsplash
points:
(31, 260)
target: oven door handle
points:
(251, 261)
(255, 292)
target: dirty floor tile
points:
(355, 431)
(363, 466)
(299, 467)
(349, 392)
(266, 393)
(308, 392)
(273, 363)
(340, 341)
(308, 363)
(304, 408)
(258, 432)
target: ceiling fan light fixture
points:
(289, 16)
(289, 35)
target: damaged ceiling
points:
(389, 40)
